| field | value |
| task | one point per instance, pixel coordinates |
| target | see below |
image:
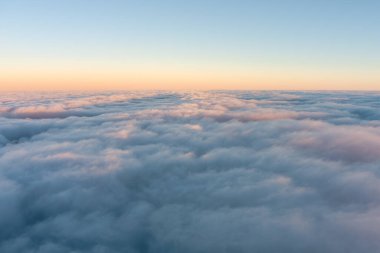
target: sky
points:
(198, 44)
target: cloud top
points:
(190, 172)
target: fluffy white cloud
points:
(190, 172)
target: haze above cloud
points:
(190, 172)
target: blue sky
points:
(317, 37)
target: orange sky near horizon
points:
(47, 74)
(29, 78)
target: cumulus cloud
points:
(190, 172)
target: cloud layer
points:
(190, 172)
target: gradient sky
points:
(198, 44)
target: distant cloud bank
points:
(187, 172)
